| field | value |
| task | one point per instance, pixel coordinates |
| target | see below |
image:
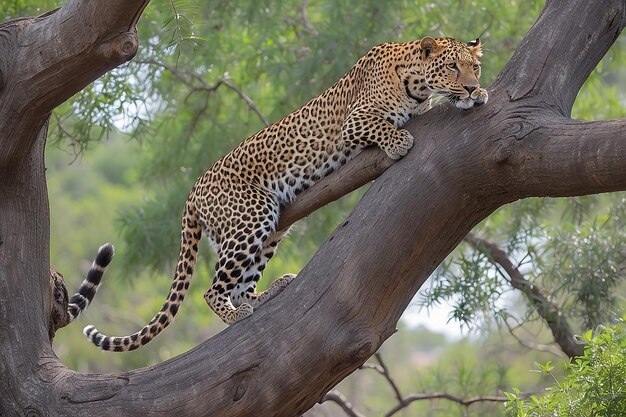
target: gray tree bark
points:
(348, 299)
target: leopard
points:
(237, 202)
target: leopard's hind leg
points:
(246, 291)
(244, 246)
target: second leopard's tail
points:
(87, 290)
(189, 239)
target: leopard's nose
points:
(470, 88)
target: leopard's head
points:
(451, 67)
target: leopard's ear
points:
(476, 47)
(428, 45)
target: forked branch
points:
(403, 402)
(47, 59)
(547, 309)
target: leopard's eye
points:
(476, 67)
(452, 66)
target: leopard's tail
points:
(189, 239)
(87, 290)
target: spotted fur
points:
(87, 290)
(237, 202)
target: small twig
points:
(196, 117)
(304, 20)
(197, 83)
(387, 375)
(177, 29)
(403, 402)
(338, 398)
(373, 366)
(444, 395)
(180, 74)
(75, 142)
(341, 400)
(228, 83)
(532, 345)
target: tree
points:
(466, 164)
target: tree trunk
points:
(348, 299)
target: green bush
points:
(595, 384)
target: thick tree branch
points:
(553, 67)
(548, 310)
(536, 155)
(366, 167)
(59, 317)
(47, 59)
(560, 157)
(83, 41)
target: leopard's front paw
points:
(399, 145)
(480, 96)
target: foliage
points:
(571, 248)
(17, 8)
(593, 387)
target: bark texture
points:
(347, 301)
